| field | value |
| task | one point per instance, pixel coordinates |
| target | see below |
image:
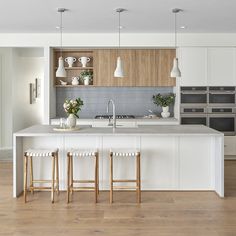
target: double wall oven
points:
(210, 106)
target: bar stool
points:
(137, 180)
(70, 180)
(29, 154)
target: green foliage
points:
(163, 100)
(86, 73)
(73, 106)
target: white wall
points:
(5, 98)
(27, 65)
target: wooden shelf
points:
(77, 68)
(72, 86)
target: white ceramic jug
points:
(75, 81)
(70, 61)
(84, 61)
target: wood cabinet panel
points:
(146, 71)
(164, 63)
(142, 67)
(102, 67)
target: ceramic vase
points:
(86, 80)
(165, 112)
(71, 121)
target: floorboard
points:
(161, 213)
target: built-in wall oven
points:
(221, 96)
(193, 95)
(193, 115)
(222, 119)
(210, 106)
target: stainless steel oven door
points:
(193, 119)
(198, 98)
(222, 99)
(222, 122)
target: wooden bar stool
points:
(28, 156)
(70, 180)
(138, 177)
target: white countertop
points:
(162, 130)
(167, 121)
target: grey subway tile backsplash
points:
(128, 100)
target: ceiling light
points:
(61, 72)
(183, 27)
(119, 72)
(175, 72)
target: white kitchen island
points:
(173, 157)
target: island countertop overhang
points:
(163, 130)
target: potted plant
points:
(72, 107)
(164, 101)
(87, 76)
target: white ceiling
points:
(99, 16)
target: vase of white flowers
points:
(164, 101)
(72, 107)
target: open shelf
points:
(73, 86)
(77, 68)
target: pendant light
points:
(119, 72)
(175, 72)
(61, 72)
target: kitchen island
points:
(173, 157)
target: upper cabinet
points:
(142, 67)
(193, 66)
(221, 67)
(164, 64)
(146, 67)
(207, 66)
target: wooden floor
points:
(161, 213)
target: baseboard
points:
(230, 157)
(6, 154)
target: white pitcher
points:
(70, 61)
(75, 81)
(84, 61)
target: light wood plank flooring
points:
(161, 213)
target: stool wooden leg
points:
(25, 177)
(68, 178)
(111, 178)
(71, 175)
(96, 179)
(53, 178)
(138, 181)
(98, 174)
(57, 174)
(31, 175)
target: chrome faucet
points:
(113, 112)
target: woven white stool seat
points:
(41, 152)
(82, 153)
(124, 153)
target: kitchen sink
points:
(102, 125)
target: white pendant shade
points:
(119, 72)
(61, 72)
(175, 72)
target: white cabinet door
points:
(229, 145)
(221, 67)
(193, 64)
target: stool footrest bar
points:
(124, 181)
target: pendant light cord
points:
(119, 30)
(175, 31)
(61, 32)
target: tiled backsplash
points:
(131, 101)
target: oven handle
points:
(194, 92)
(222, 92)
